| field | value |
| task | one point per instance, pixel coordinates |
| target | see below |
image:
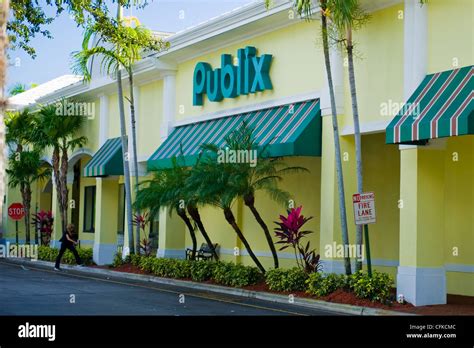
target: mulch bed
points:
(339, 296)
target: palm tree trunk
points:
(184, 217)
(123, 133)
(134, 149)
(337, 145)
(58, 183)
(126, 168)
(27, 205)
(24, 199)
(249, 201)
(194, 212)
(358, 147)
(63, 179)
(229, 216)
(4, 7)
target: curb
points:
(266, 296)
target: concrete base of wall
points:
(422, 286)
(171, 253)
(103, 254)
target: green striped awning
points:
(289, 130)
(441, 106)
(107, 160)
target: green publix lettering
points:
(229, 81)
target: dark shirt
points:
(64, 238)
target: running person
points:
(67, 242)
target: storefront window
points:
(89, 209)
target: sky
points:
(54, 55)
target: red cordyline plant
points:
(43, 222)
(290, 234)
(142, 221)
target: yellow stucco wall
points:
(450, 35)
(150, 106)
(378, 65)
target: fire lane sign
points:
(364, 208)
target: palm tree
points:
(19, 126)
(264, 176)
(167, 189)
(17, 89)
(111, 63)
(211, 183)
(119, 47)
(304, 7)
(60, 133)
(23, 171)
(131, 50)
(346, 16)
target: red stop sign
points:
(16, 211)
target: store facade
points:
(267, 67)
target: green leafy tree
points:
(30, 18)
(61, 134)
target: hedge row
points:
(46, 253)
(225, 273)
(376, 288)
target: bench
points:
(203, 253)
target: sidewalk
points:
(266, 296)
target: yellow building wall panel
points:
(450, 34)
(378, 67)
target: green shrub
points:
(292, 279)
(202, 270)
(227, 273)
(46, 253)
(135, 260)
(376, 288)
(322, 285)
(118, 260)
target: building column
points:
(57, 226)
(106, 211)
(421, 277)
(169, 104)
(415, 44)
(103, 119)
(172, 236)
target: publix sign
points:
(229, 81)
